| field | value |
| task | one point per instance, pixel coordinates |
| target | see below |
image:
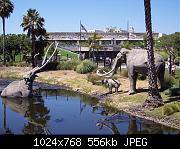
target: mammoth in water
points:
(137, 63)
(24, 88)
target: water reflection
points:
(33, 111)
(66, 112)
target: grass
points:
(68, 65)
(70, 54)
(9, 75)
(171, 108)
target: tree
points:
(132, 44)
(154, 98)
(15, 44)
(171, 45)
(6, 8)
(33, 23)
(94, 43)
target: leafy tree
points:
(154, 98)
(14, 45)
(132, 44)
(94, 43)
(6, 8)
(34, 25)
(171, 45)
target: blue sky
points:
(65, 15)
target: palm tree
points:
(32, 23)
(154, 98)
(93, 43)
(6, 8)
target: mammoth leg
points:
(132, 78)
(110, 89)
(116, 89)
(135, 80)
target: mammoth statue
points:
(24, 88)
(136, 61)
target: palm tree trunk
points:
(154, 98)
(33, 49)
(89, 53)
(4, 57)
(93, 54)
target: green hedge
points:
(86, 66)
(68, 65)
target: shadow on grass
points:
(140, 90)
(172, 99)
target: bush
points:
(94, 78)
(68, 65)
(141, 77)
(106, 69)
(85, 67)
(171, 108)
(172, 91)
(169, 81)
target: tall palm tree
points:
(93, 43)
(154, 98)
(32, 22)
(6, 8)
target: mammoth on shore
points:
(137, 63)
(24, 88)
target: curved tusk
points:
(106, 74)
(46, 53)
(49, 57)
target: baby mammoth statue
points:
(111, 83)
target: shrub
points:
(141, 77)
(85, 67)
(171, 108)
(106, 69)
(94, 78)
(68, 65)
(172, 91)
(168, 80)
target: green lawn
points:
(70, 54)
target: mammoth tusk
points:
(106, 74)
(46, 53)
(45, 63)
(36, 69)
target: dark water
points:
(65, 112)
